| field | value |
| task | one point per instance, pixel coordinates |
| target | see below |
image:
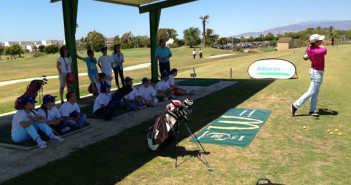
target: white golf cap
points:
(316, 37)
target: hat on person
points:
(25, 99)
(103, 48)
(164, 74)
(145, 80)
(104, 86)
(316, 37)
(128, 79)
(48, 98)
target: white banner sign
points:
(272, 68)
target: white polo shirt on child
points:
(102, 98)
(147, 93)
(20, 116)
(67, 108)
(162, 85)
(171, 80)
(106, 62)
(53, 114)
(132, 95)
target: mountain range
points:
(338, 25)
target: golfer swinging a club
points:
(316, 52)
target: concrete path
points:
(129, 68)
(218, 56)
(15, 162)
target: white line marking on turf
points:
(243, 112)
(251, 113)
(203, 135)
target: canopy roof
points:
(145, 5)
(136, 3)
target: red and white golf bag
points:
(166, 125)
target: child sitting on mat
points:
(174, 86)
(132, 100)
(52, 115)
(26, 123)
(102, 101)
(70, 111)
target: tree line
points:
(191, 37)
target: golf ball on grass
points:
(304, 127)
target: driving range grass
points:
(282, 151)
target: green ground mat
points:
(198, 82)
(88, 110)
(236, 127)
(5, 136)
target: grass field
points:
(46, 65)
(283, 151)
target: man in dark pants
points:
(163, 53)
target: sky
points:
(35, 20)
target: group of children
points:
(53, 122)
(144, 96)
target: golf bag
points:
(116, 99)
(32, 89)
(165, 125)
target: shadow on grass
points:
(111, 160)
(323, 112)
(327, 112)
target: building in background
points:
(285, 43)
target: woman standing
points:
(117, 65)
(64, 66)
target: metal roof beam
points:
(119, 2)
(163, 4)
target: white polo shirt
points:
(106, 62)
(53, 114)
(162, 85)
(132, 95)
(147, 93)
(67, 108)
(171, 80)
(20, 116)
(102, 98)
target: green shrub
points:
(38, 54)
(173, 45)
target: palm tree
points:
(332, 34)
(204, 21)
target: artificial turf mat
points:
(236, 127)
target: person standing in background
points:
(64, 66)
(105, 63)
(163, 54)
(117, 65)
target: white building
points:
(49, 42)
(10, 43)
(109, 41)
